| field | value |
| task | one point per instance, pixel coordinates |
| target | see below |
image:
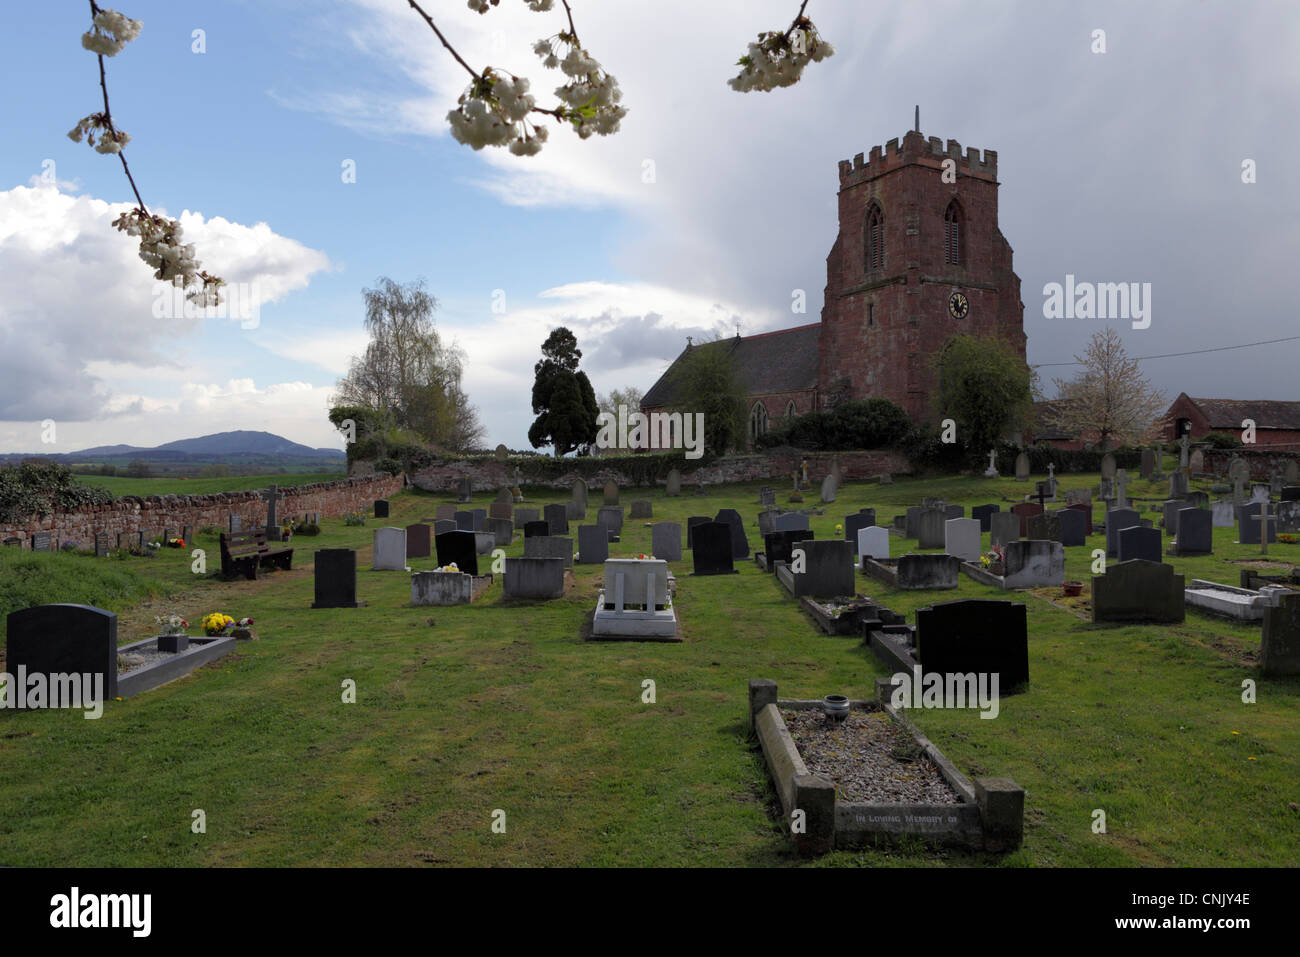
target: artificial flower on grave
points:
(216, 623)
(175, 543)
(171, 624)
(839, 529)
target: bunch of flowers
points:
(778, 59)
(153, 546)
(591, 94)
(453, 567)
(176, 542)
(216, 623)
(839, 529)
(171, 624)
(172, 260)
(492, 112)
(111, 33)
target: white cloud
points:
(75, 299)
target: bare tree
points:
(407, 372)
(1110, 395)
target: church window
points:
(757, 420)
(952, 234)
(874, 237)
(790, 411)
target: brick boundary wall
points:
(1264, 462)
(777, 466)
(153, 513)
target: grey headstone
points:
(611, 493)
(790, 522)
(535, 578)
(673, 487)
(549, 546)
(1148, 463)
(1143, 543)
(557, 518)
(1280, 645)
(1195, 532)
(1249, 524)
(1022, 467)
(666, 541)
(41, 541)
(1045, 528)
(1138, 591)
(1004, 527)
(641, 509)
(502, 529)
(1108, 466)
(63, 640)
(1117, 519)
(930, 528)
(389, 550)
(962, 538)
(101, 545)
(593, 544)
(1074, 527)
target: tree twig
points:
(108, 119)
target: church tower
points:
(919, 258)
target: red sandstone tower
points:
(919, 258)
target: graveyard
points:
(492, 692)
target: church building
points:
(918, 259)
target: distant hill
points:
(243, 449)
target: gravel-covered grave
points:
(869, 757)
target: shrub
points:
(391, 466)
(39, 488)
(356, 518)
(1222, 440)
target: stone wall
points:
(152, 513)
(775, 466)
(1264, 463)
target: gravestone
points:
(123, 539)
(711, 549)
(1223, 514)
(954, 511)
(666, 541)
(777, 547)
(464, 491)
(1022, 467)
(1107, 491)
(101, 545)
(992, 470)
(673, 487)
(961, 537)
(1196, 464)
(611, 493)
(855, 523)
(767, 496)
(1033, 564)
(930, 528)
(765, 520)
(691, 522)
(1290, 493)
(578, 496)
(503, 497)
(381, 511)
(1275, 486)
(501, 510)
(827, 568)
(981, 514)
(502, 530)
(187, 531)
(1121, 488)
(611, 516)
(549, 546)
(739, 543)
(417, 541)
(441, 588)
(15, 542)
(1138, 591)
(873, 542)
(1177, 483)
(975, 636)
(1140, 543)
(447, 512)
(1044, 528)
(480, 518)
(336, 578)
(1108, 466)
(1148, 463)
(465, 521)
(1197, 499)
(1260, 493)
(593, 544)
(1195, 532)
(1279, 653)
(1078, 496)
(1291, 474)
(41, 542)
(641, 509)
(534, 529)
(790, 522)
(830, 485)
(1086, 512)
(1170, 510)
(885, 478)
(1116, 520)
(525, 515)
(1004, 527)
(62, 640)
(1074, 526)
(1249, 522)
(459, 548)
(534, 578)
(557, 518)
(389, 550)
(443, 525)
(237, 521)
(1025, 511)
(912, 522)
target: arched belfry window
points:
(952, 234)
(757, 420)
(873, 236)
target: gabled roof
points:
(782, 361)
(1267, 413)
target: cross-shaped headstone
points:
(1182, 450)
(1041, 493)
(1263, 518)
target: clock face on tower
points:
(958, 305)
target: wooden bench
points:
(246, 553)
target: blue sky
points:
(1118, 167)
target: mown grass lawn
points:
(501, 706)
(122, 485)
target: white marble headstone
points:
(873, 541)
(389, 553)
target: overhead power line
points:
(1170, 355)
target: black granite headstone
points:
(465, 521)
(691, 523)
(982, 513)
(975, 635)
(1143, 543)
(1195, 532)
(712, 551)
(336, 578)
(381, 508)
(778, 545)
(64, 639)
(459, 548)
(101, 545)
(739, 543)
(853, 523)
(557, 518)
(41, 541)
(1074, 526)
(537, 528)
